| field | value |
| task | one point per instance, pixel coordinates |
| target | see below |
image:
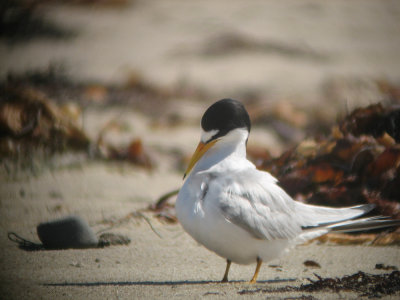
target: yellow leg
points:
(259, 263)
(228, 265)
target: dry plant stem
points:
(139, 213)
(134, 214)
(164, 198)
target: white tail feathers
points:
(317, 216)
(363, 224)
(324, 219)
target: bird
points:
(241, 213)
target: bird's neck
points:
(227, 152)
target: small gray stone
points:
(65, 233)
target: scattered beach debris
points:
(311, 264)
(76, 264)
(135, 152)
(366, 285)
(31, 122)
(163, 209)
(29, 119)
(136, 215)
(42, 113)
(213, 294)
(112, 239)
(23, 243)
(385, 267)
(373, 239)
(276, 267)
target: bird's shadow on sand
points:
(158, 283)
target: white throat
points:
(230, 146)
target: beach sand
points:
(151, 267)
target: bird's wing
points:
(254, 202)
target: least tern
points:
(241, 213)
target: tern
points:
(241, 213)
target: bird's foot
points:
(253, 281)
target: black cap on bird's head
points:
(219, 119)
(224, 116)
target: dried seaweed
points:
(29, 120)
(373, 239)
(32, 122)
(134, 153)
(363, 284)
(385, 267)
(163, 210)
(359, 162)
(112, 239)
(22, 20)
(311, 264)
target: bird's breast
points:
(198, 212)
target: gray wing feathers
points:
(265, 211)
(258, 205)
(260, 222)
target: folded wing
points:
(254, 202)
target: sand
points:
(173, 266)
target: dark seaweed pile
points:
(364, 284)
(359, 162)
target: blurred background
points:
(291, 50)
(324, 58)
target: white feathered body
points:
(240, 213)
(203, 218)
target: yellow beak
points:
(200, 150)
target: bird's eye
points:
(207, 136)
